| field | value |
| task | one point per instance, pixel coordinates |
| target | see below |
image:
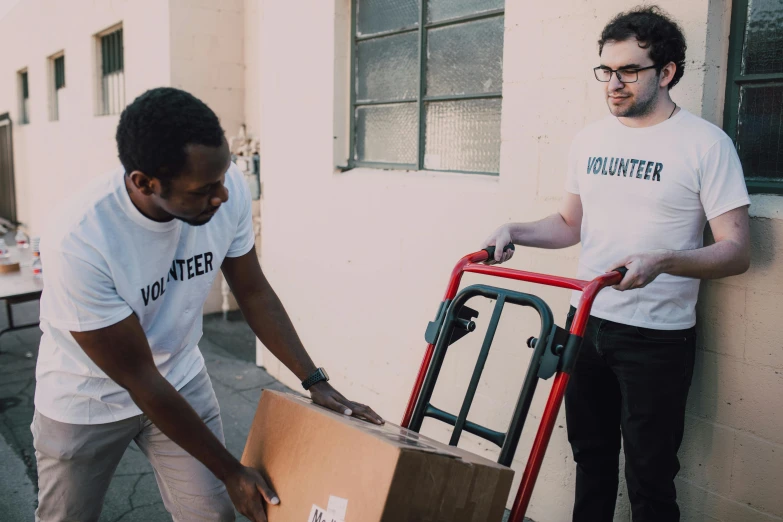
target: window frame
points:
(735, 79)
(8, 176)
(23, 83)
(422, 29)
(102, 107)
(54, 102)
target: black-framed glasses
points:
(624, 74)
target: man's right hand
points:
(131, 365)
(499, 239)
(246, 487)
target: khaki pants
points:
(76, 463)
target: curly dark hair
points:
(654, 30)
(155, 129)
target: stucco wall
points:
(361, 258)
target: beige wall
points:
(207, 55)
(361, 258)
(194, 45)
(252, 17)
(252, 64)
(207, 59)
(54, 159)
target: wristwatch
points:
(317, 376)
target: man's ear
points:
(145, 184)
(667, 74)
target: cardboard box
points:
(316, 460)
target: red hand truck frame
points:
(555, 355)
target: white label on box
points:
(337, 508)
(320, 515)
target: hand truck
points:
(554, 354)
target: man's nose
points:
(220, 197)
(614, 83)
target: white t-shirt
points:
(103, 260)
(645, 189)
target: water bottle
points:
(22, 241)
(37, 268)
(4, 252)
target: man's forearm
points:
(722, 259)
(172, 414)
(270, 322)
(550, 232)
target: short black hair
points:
(155, 129)
(654, 30)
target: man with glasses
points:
(642, 183)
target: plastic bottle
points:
(22, 241)
(36, 266)
(4, 252)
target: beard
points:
(197, 221)
(641, 104)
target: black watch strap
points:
(316, 377)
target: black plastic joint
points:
(433, 328)
(570, 353)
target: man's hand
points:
(324, 395)
(643, 268)
(499, 239)
(246, 487)
(270, 322)
(130, 364)
(559, 230)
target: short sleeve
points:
(244, 236)
(78, 296)
(722, 182)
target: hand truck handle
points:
(490, 250)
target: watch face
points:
(326, 375)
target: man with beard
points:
(641, 185)
(129, 264)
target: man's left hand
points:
(324, 395)
(643, 268)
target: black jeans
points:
(630, 381)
